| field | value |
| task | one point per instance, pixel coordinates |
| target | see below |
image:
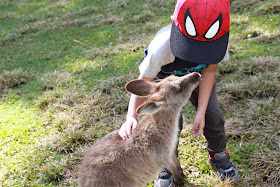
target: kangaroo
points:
(114, 162)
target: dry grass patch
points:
(266, 164)
(58, 4)
(239, 20)
(77, 118)
(225, 68)
(242, 5)
(161, 3)
(254, 114)
(256, 86)
(268, 37)
(144, 17)
(256, 78)
(118, 4)
(111, 51)
(271, 7)
(262, 64)
(13, 78)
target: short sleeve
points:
(226, 57)
(158, 55)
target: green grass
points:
(63, 67)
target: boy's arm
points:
(131, 117)
(205, 89)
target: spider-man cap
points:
(200, 30)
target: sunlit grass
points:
(21, 128)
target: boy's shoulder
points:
(158, 53)
(166, 29)
(159, 48)
(161, 39)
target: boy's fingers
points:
(199, 132)
(124, 131)
(134, 124)
(128, 130)
(196, 130)
(122, 134)
(194, 134)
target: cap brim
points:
(204, 52)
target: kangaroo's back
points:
(114, 162)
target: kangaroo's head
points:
(171, 91)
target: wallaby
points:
(114, 162)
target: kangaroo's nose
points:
(197, 75)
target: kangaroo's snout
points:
(190, 81)
(196, 77)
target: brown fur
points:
(113, 162)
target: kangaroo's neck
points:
(160, 129)
(164, 119)
(167, 115)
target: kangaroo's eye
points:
(176, 89)
(180, 90)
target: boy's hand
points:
(199, 124)
(126, 129)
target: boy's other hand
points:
(127, 128)
(199, 124)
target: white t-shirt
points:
(159, 54)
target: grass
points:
(63, 67)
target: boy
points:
(196, 41)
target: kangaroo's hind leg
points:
(176, 170)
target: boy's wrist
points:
(131, 117)
(200, 112)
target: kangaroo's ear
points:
(152, 105)
(140, 87)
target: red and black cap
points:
(200, 30)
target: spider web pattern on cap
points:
(202, 20)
